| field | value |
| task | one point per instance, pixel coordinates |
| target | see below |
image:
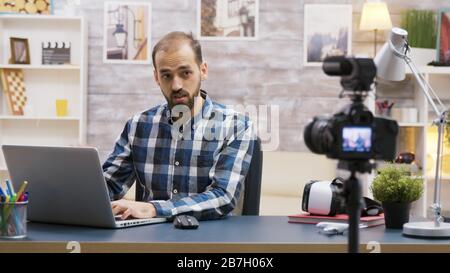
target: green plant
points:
(395, 184)
(421, 27)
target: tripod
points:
(352, 193)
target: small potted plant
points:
(396, 189)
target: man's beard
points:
(180, 94)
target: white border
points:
(105, 33)
(222, 38)
(331, 7)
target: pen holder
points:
(13, 220)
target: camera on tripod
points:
(353, 133)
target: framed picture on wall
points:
(227, 19)
(443, 37)
(30, 7)
(127, 35)
(20, 51)
(327, 32)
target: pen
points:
(21, 190)
(2, 193)
(10, 188)
(24, 197)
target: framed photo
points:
(20, 51)
(227, 19)
(127, 35)
(443, 37)
(327, 32)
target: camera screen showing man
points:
(356, 139)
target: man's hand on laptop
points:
(132, 208)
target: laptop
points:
(65, 185)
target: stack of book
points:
(307, 218)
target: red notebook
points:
(306, 218)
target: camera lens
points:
(337, 66)
(317, 135)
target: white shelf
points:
(414, 135)
(45, 84)
(415, 124)
(443, 178)
(41, 67)
(38, 118)
(428, 69)
(38, 17)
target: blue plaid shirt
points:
(199, 170)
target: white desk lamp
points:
(391, 66)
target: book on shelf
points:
(307, 218)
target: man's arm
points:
(228, 174)
(118, 169)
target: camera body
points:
(353, 133)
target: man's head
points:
(179, 68)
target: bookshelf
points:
(421, 138)
(45, 83)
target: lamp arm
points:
(431, 94)
(435, 96)
(441, 112)
(425, 86)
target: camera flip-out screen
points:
(356, 139)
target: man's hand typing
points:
(133, 209)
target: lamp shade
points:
(375, 15)
(389, 61)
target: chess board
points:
(14, 88)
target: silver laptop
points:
(65, 185)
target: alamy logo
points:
(262, 121)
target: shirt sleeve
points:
(227, 174)
(118, 169)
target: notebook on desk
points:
(306, 218)
(65, 185)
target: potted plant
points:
(396, 189)
(422, 28)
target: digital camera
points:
(353, 133)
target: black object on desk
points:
(185, 222)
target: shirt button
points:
(175, 191)
(193, 127)
(177, 163)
